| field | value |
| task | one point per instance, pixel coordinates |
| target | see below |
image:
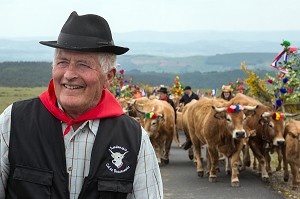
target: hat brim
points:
(118, 50)
(160, 91)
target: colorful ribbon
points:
(276, 60)
(150, 115)
(235, 108)
(277, 116)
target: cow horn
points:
(250, 108)
(160, 115)
(221, 109)
(290, 114)
(134, 106)
(266, 114)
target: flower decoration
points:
(177, 87)
(270, 81)
(283, 90)
(292, 50)
(285, 80)
(286, 43)
(278, 103)
(120, 86)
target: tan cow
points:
(221, 129)
(268, 127)
(159, 122)
(291, 152)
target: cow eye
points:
(228, 119)
(270, 125)
(153, 123)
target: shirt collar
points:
(91, 124)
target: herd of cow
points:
(229, 128)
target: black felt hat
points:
(163, 90)
(187, 88)
(88, 33)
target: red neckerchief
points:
(164, 99)
(107, 107)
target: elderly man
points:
(74, 141)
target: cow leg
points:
(227, 165)
(176, 138)
(285, 165)
(214, 158)
(254, 163)
(157, 150)
(268, 163)
(235, 160)
(262, 161)
(191, 153)
(208, 164)
(167, 150)
(280, 157)
(197, 155)
(246, 157)
(295, 174)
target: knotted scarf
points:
(107, 107)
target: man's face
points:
(187, 91)
(162, 95)
(78, 80)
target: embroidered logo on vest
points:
(117, 153)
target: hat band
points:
(78, 41)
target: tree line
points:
(35, 74)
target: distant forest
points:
(35, 74)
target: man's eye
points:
(61, 63)
(82, 65)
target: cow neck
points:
(107, 107)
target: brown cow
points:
(268, 127)
(159, 122)
(221, 129)
(291, 152)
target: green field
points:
(8, 95)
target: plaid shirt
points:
(78, 144)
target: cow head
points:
(273, 126)
(235, 116)
(153, 122)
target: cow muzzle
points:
(239, 134)
(279, 142)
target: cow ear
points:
(249, 112)
(220, 115)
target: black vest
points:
(38, 163)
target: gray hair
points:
(107, 61)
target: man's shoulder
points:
(195, 96)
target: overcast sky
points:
(43, 18)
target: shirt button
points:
(70, 168)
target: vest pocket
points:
(32, 183)
(110, 188)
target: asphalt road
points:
(181, 181)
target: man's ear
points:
(109, 77)
(111, 74)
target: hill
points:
(164, 44)
(33, 74)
